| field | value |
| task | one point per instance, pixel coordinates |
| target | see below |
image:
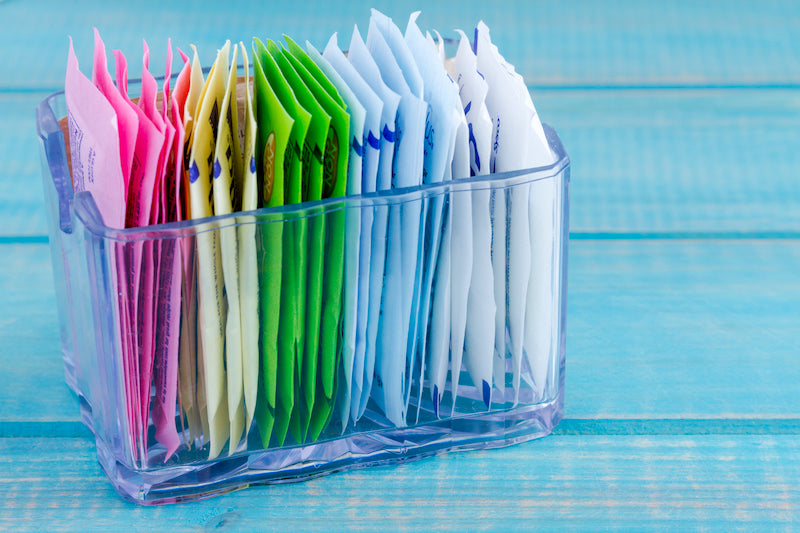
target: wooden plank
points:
(580, 43)
(680, 161)
(664, 162)
(22, 202)
(574, 482)
(683, 329)
(656, 329)
(682, 354)
(32, 388)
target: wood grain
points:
(656, 329)
(579, 43)
(664, 162)
(565, 482)
(682, 120)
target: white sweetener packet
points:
(373, 106)
(481, 308)
(353, 224)
(519, 142)
(363, 62)
(399, 71)
(437, 157)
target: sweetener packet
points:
(371, 145)
(138, 255)
(395, 356)
(127, 125)
(277, 374)
(399, 71)
(291, 327)
(167, 318)
(509, 152)
(363, 62)
(461, 262)
(191, 375)
(519, 143)
(96, 167)
(439, 331)
(438, 151)
(127, 121)
(248, 261)
(350, 300)
(334, 176)
(227, 173)
(212, 303)
(148, 284)
(313, 149)
(480, 358)
(172, 288)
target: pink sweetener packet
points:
(127, 121)
(146, 156)
(97, 168)
(186, 396)
(148, 104)
(128, 257)
(140, 259)
(181, 90)
(167, 183)
(94, 148)
(128, 344)
(165, 371)
(148, 298)
(128, 125)
(177, 103)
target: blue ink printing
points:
(388, 134)
(373, 141)
(193, 172)
(357, 148)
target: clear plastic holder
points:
(83, 252)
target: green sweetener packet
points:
(273, 130)
(312, 190)
(335, 160)
(291, 326)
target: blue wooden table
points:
(683, 350)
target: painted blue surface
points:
(581, 43)
(682, 120)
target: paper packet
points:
(519, 142)
(277, 376)
(212, 303)
(291, 327)
(312, 154)
(363, 62)
(480, 357)
(227, 172)
(351, 298)
(248, 260)
(167, 317)
(334, 179)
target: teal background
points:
(682, 120)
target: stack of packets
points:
(295, 324)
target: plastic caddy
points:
(82, 253)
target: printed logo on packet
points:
(331, 161)
(269, 166)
